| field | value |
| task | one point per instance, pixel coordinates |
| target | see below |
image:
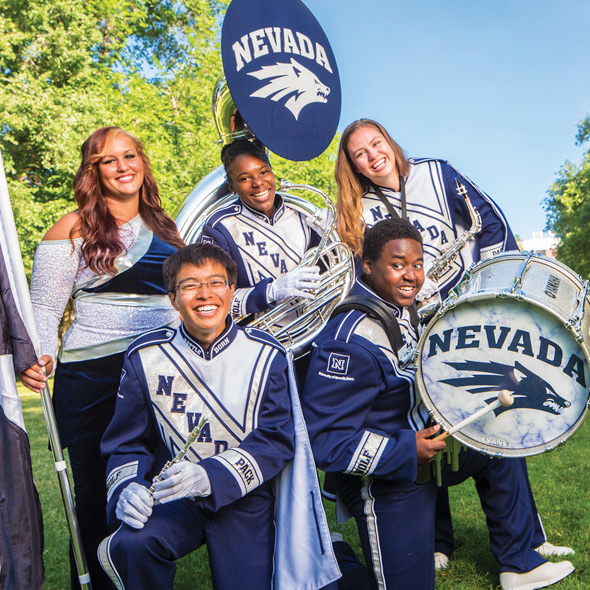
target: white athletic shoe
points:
(540, 577)
(441, 561)
(549, 550)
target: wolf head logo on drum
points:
(292, 80)
(529, 390)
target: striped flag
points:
(21, 525)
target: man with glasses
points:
(238, 381)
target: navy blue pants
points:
(84, 395)
(396, 519)
(239, 537)
(444, 535)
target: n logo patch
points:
(338, 364)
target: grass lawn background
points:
(560, 481)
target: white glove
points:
(320, 222)
(291, 284)
(182, 480)
(134, 505)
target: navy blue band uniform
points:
(440, 214)
(363, 410)
(240, 385)
(264, 248)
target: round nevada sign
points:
(282, 75)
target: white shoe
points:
(549, 550)
(540, 577)
(441, 561)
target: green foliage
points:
(568, 209)
(68, 68)
(318, 172)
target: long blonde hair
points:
(352, 185)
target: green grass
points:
(560, 480)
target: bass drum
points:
(519, 322)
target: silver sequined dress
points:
(105, 322)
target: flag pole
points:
(9, 239)
(66, 492)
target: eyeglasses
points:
(193, 286)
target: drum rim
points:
(470, 441)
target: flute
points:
(192, 437)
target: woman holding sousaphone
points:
(375, 180)
(264, 235)
(292, 269)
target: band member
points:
(108, 257)
(375, 181)
(368, 427)
(264, 235)
(245, 490)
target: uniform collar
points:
(279, 210)
(217, 346)
(361, 288)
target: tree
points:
(67, 68)
(149, 66)
(568, 208)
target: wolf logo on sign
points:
(291, 80)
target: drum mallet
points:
(505, 398)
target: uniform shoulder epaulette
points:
(262, 336)
(159, 336)
(229, 210)
(422, 160)
(348, 322)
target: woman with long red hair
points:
(108, 257)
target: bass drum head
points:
(477, 348)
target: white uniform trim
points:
(367, 454)
(104, 556)
(373, 532)
(120, 475)
(243, 467)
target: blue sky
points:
(497, 88)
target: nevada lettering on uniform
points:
(164, 385)
(278, 40)
(433, 231)
(179, 403)
(520, 341)
(193, 418)
(263, 251)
